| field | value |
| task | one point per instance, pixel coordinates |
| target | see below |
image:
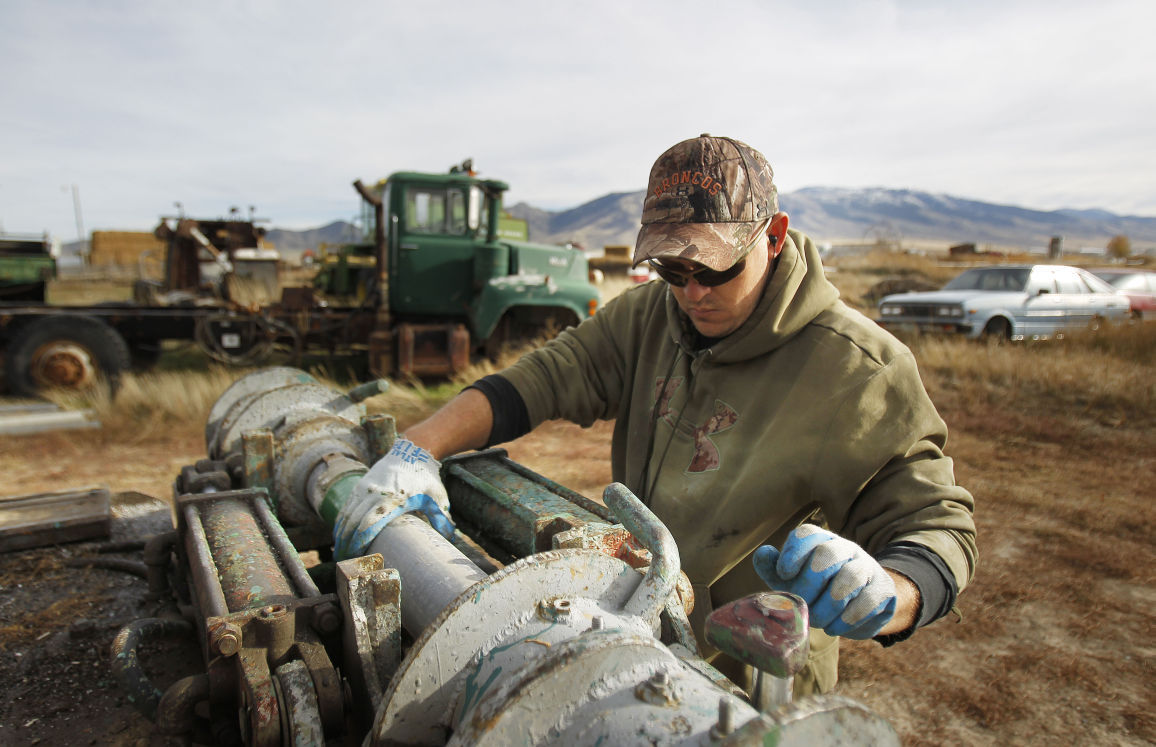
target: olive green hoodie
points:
(808, 410)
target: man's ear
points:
(777, 234)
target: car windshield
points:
(991, 279)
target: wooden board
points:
(28, 521)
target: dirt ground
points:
(1054, 641)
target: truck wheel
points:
(70, 352)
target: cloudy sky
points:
(281, 105)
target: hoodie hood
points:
(797, 292)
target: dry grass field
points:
(1054, 641)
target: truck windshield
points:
(991, 279)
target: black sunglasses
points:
(705, 277)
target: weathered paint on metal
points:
(370, 597)
(302, 446)
(768, 630)
(418, 704)
(262, 711)
(282, 548)
(248, 571)
(336, 495)
(233, 400)
(300, 702)
(126, 666)
(202, 570)
(614, 540)
(600, 687)
(308, 421)
(382, 432)
(816, 721)
(559, 646)
(515, 509)
(662, 575)
(257, 447)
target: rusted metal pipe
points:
(126, 667)
(662, 576)
(249, 573)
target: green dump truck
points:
(433, 285)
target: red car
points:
(1138, 285)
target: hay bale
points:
(125, 249)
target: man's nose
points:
(694, 291)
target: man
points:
(752, 408)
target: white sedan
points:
(1014, 302)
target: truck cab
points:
(452, 277)
(27, 263)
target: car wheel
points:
(997, 330)
(1096, 324)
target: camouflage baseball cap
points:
(709, 201)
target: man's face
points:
(717, 311)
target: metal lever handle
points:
(769, 631)
(650, 598)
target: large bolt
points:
(657, 690)
(225, 638)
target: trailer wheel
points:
(70, 352)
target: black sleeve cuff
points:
(936, 584)
(511, 418)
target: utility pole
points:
(84, 248)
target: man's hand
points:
(404, 480)
(849, 594)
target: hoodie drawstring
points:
(645, 476)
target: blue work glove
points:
(848, 592)
(403, 481)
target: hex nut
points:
(326, 618)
